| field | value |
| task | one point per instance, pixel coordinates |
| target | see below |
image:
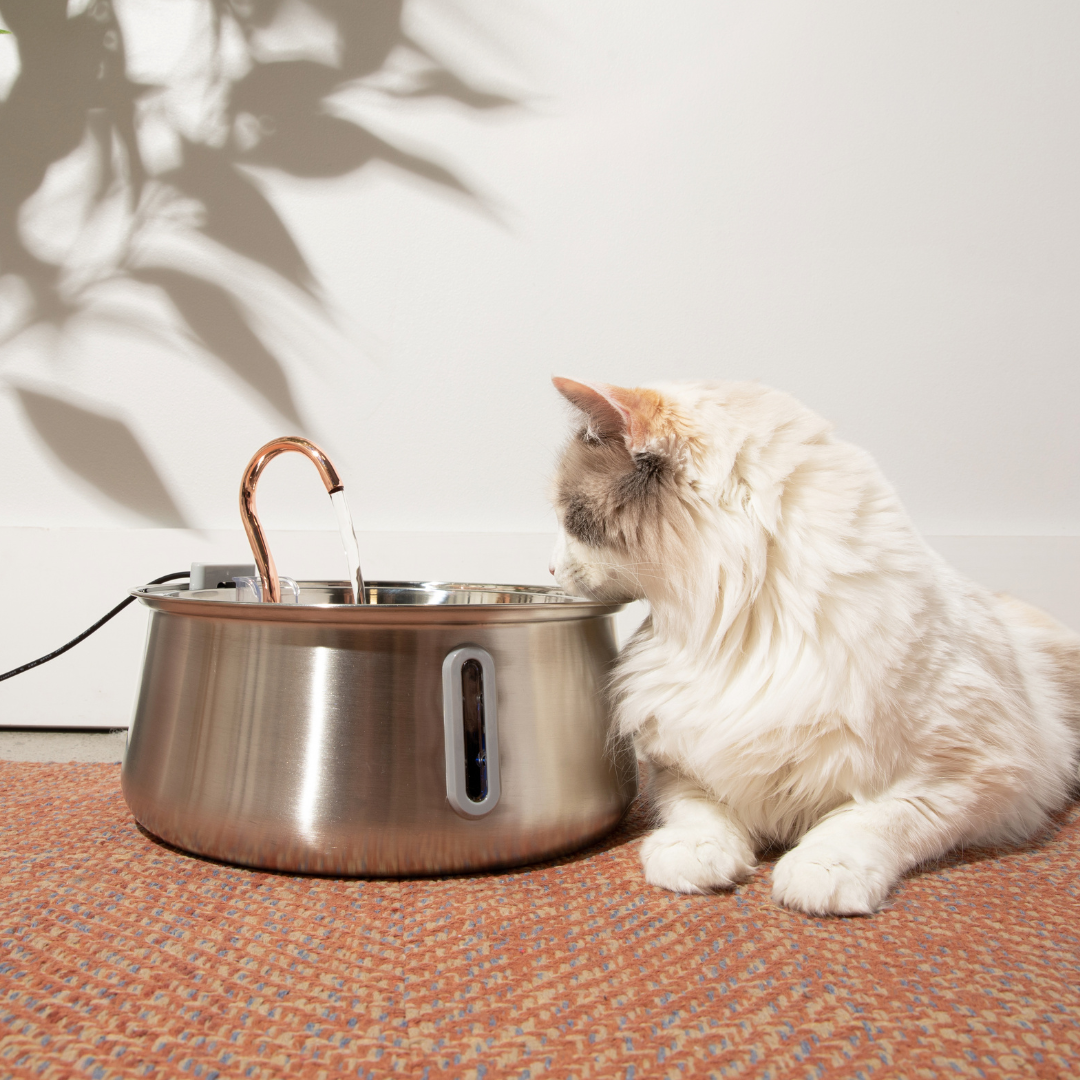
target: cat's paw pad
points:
(823, 879)
(683, 860)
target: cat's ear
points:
(612, 410)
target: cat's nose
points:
(551, 569)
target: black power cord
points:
(97, 626)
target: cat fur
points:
(811, 674)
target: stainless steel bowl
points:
(436, 728)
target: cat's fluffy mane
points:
(810, 670)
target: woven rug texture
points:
(121, 957)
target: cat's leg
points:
(701, 845)
(848, 863)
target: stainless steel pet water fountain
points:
(378, 728)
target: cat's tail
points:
(1059, 648)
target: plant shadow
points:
(131, 161)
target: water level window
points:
(473, 733)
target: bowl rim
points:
(561, 605)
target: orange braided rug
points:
(122, 957)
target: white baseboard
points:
(56, 582)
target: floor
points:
(29, 745)
(121, 956)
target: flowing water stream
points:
(352, 548)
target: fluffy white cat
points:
(811, 673)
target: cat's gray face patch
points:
(607, 497)
(644, 479)
(582, 522)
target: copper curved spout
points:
(264, 561)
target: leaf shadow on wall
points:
(101, 450)
(123, 180)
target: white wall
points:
(871, 206)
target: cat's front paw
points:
(688, 861)
(821, 878)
